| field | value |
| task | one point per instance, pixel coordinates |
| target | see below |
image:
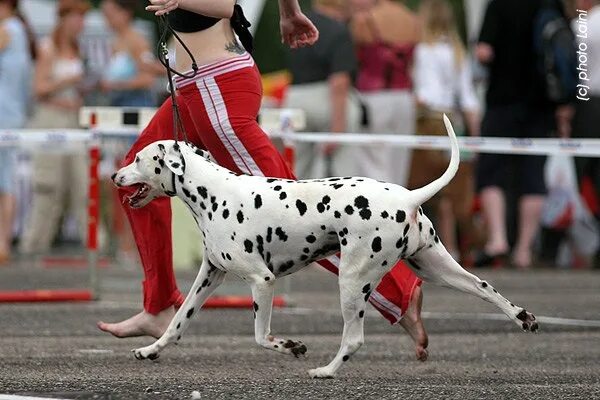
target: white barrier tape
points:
(576, 147)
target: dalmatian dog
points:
(261, 229)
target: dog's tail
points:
(421, 195)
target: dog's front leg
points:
(262, 293)
(208, 279)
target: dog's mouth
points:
(140, 195)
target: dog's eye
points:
(137, 159)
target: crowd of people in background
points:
(378, 67)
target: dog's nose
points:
(112, 178)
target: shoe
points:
(484, 259)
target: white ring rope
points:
(575, 147)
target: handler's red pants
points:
(219, 107)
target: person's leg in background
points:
(225, 116)
(151, 226)
(491, 177)
(49, 185)
(7, 201)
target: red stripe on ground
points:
(41, 296)
(238, 302)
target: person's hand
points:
(161, 7)
(484, 53)
(297, 30)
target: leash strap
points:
(163, 57)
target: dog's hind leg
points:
(208, 279)
(435, 265)
(356, 286)
(262, 293)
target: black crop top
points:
(187, 21)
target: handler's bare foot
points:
(142, 324)
(413, 324)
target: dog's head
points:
(154, 171)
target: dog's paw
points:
(527, 321)
(321, 373)
(145, 353)
(295, 348)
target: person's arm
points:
(490, 33)
(339, 90)
(209, 8)
(296, 29)
(469, 103)
(4, 37)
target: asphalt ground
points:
(55, 350)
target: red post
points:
(93, 208)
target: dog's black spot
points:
(484, 284)
(495, 291)
(384, 263)
(281, 234)
(361, 202)
(325, 199)
(346, 357)
(179, 337)
(436, 239)
(361, 313)
(175, 165)
(271, 180)
(321, 207)
(180, 178)
(323, 227)
(255, 306)
(366, 288)
(349, 210)
(186, 192)
(311, 239)
(210, 216)
(190, 312)
(365, 214)
(376, 244)
(269, 234)
(248, 246)
(384, 214)
(337, 214)
(303, 257)
(240, 216)
(342, 233)
(214, 206)
(336, 186)
(400, 216)
(228, 256)
(205, 282)
(406, 228)
(344, 242)
(420, 226)
(161, 162)
(301, 206)
(367, 295)
(193, 198)
(282, 196)
(157, 171)
(306, 250)
(225, 213)
(178, 325)
(257, 201)
(420, 211)
(286, 265)
(267, 278)
(202, 191)
(431, 231)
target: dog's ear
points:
(174, 160)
